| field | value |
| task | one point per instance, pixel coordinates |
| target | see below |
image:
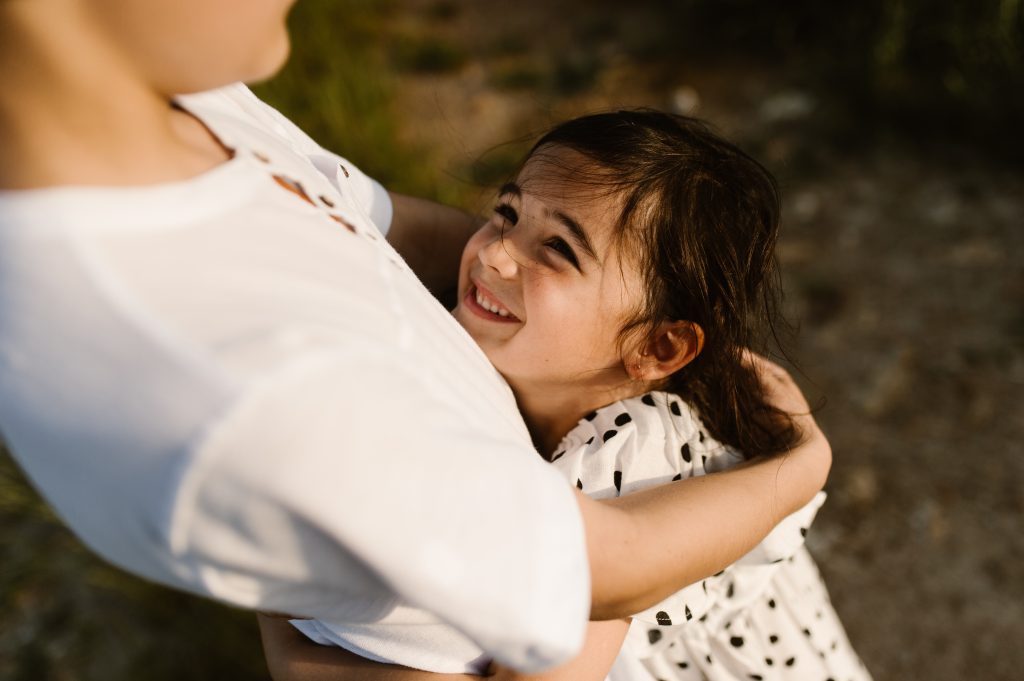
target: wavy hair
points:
(700, 218)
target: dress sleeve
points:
(645, 441)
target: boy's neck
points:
(74, 111)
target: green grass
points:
(518, 76)
(339, 87)
(428, 55)
(68, 615)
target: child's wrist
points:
(805, 467)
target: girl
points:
(622, 274)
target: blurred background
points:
(894, 130)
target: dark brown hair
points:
(700, 217)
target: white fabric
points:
(654, 439)
(227, 389)
(408, 636)
(621, 448)
(765, 617)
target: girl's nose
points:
(500, 255)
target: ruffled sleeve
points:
(657, 438)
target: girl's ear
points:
(670, 347)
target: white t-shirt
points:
(227, 389)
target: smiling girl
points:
(616, 286)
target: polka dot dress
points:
(767, 617)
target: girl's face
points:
(542, 287)
(182, 46)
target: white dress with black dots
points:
(767, 617)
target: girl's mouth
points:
(485, 305)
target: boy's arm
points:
(647, 545)
(430, 237)
(633, 563)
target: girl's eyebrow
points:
(579, 235)
(510, 188)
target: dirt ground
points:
(904, 270)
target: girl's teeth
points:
(490, 307)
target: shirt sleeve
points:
(654, 439)
(412, 504)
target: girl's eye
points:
(508, 212)
(563, 249)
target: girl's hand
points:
(813, 453)
(780, 390)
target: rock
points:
(806, 205)
(890, 385)
(861, 485)
(685, 100)
(789, 105)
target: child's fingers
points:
(780, 389)
(765, 366)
